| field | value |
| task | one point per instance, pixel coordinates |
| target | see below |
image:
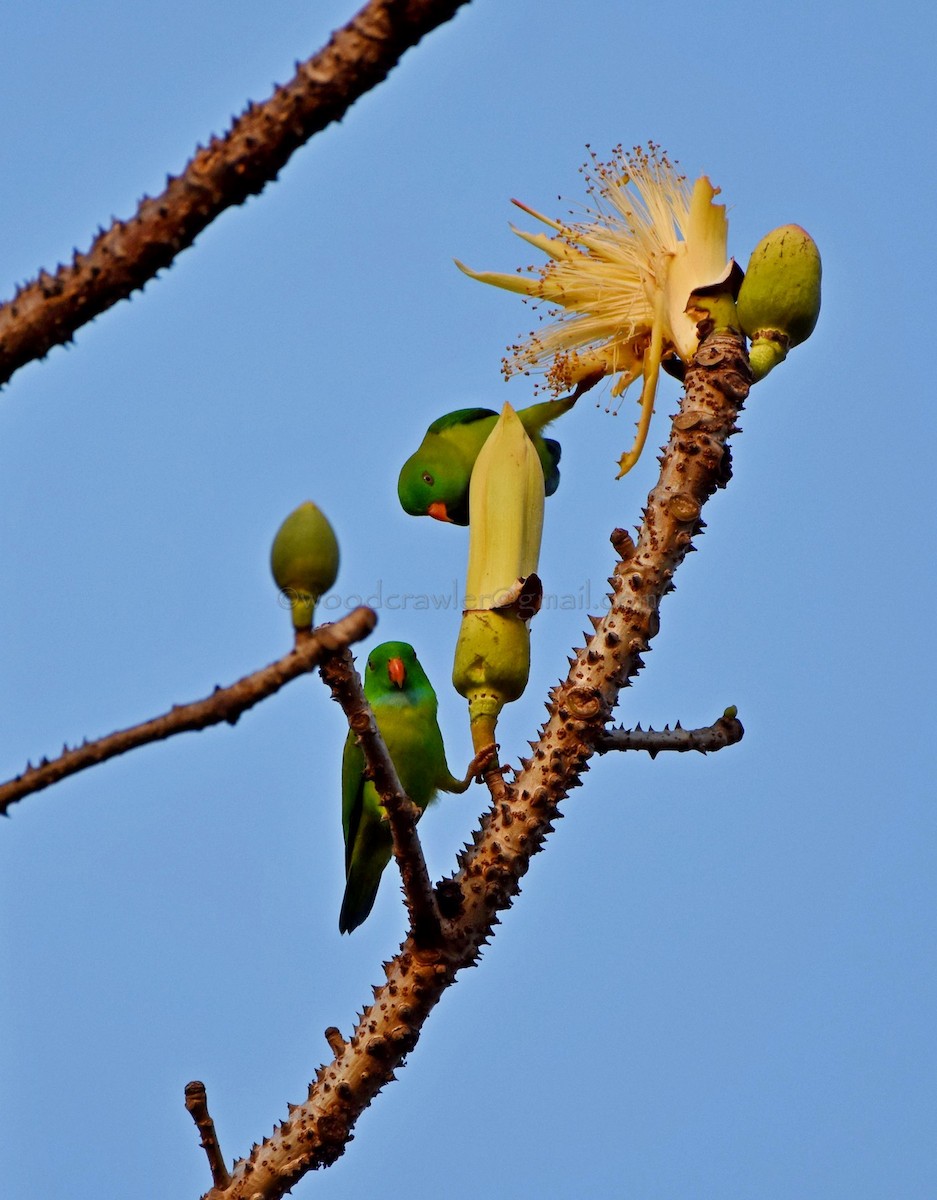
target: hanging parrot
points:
(435, 480)
(404, 706)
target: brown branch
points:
(402, 814)
(694, 464)
(47, 311)
(727, 731)
(196, 1101)
(225, 704)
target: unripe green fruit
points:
(304, 561)
(779, 300)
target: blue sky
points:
(718, 981)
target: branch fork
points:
(694, 464)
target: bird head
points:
(434, 482)
(393, 667)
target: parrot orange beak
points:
(397, 671)
(438, 510)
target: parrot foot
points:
(486, 757)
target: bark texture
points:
(47, 311)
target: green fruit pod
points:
(304, 561)
(492, 664)
(779, 301)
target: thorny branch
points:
(727, 731)
(47, 311)
(694, 464)
(225, 704)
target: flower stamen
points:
(616, 285)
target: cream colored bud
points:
(506, 506)
(506, 494)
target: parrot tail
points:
(551, 477)
(360, 894)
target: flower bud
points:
(304, 561)
(779, 300)
(506, 494)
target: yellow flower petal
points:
(554, 247)
(618, 283)
(510, 283)
(701, 259)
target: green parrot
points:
(435, 480)
(404, 706)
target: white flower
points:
(618, 283)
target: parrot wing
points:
(461, 416)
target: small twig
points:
(339, 673)
(335, 1040)
(727, 731)
(196, 1101)
(225, 704)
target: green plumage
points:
(435, 480)
(404, 706)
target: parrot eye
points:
(428, 479)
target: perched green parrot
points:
(435, 480)
(404, 706)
